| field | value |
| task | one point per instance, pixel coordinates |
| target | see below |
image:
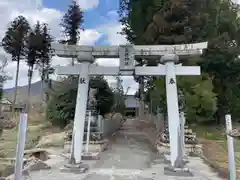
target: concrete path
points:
(129, 157)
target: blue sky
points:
(105, 12)
(101, 26)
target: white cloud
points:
(88, 4)
(89, 37)
(112, 31)
(112, 15)
(33, 11)
(112, 28)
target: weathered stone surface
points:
(36, 165)
(39, 153)
(90, 156)
(190, 137)
(115, 117)
(54, 140)
(39, 166)
(190, 149)
(77, 169)
(235, 133)
(169, 171)
(8, 124)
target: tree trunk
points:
(1, 94)
(16, 87)
(42, 89)
(141, 102)
(1, 119)
(48, 87)
(29, 88)
(42, 82)
(222, 101)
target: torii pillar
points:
(169, 61)
(81, 105)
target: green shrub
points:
(61, 107)
(200, 100)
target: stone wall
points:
(109, 126)
(157, 120)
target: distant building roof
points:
(6, 101)
(131, 101)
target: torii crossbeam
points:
(168, 54)
(139, 71)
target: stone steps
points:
(190, 138)
(95, 134)
(191, 144)
(196, 149)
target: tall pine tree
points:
(45, 61)
(163, 22)
(72, 24)
(188, 21)
(13, 43)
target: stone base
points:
(185, 159)
(180, 163)
(92, 147)
(75, 168)
(95, 142)
(90, 156)
(36, 166)
(183, 172)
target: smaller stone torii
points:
(169, 67)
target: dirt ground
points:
(214, 141)
(214, 147)
(37, 128)
(215, 156)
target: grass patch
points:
(209, 132)
(214, 141)
(236, 149)
(8, 140)
(8, 143)
(37, 127)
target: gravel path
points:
(129, 157)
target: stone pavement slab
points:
(117, 177)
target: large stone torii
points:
(169, 67)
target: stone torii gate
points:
(169, 67)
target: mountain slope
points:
(35, 88)
(22, 93)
